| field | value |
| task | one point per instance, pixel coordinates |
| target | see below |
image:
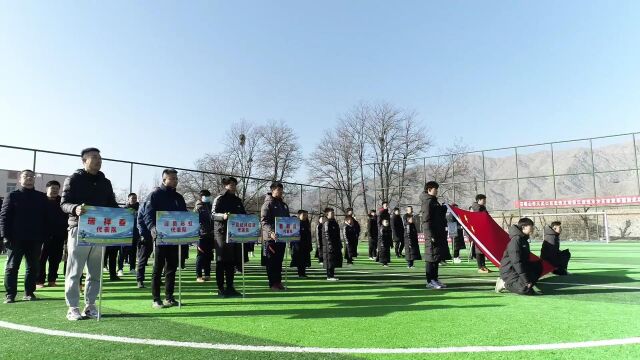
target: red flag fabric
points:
(489, 237)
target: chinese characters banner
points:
(105, 226)
(587, 202)
(177, 227)
(243, 228)
(287, 229)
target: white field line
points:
(302, 349)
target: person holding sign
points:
(87, 186)
(205, 241)
(301, 250)
(23, 227)
(164, 198)
(331, 244)
(227, 254)
(273, 207)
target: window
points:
(11, 187)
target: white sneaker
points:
(332, 279)
(90, 312)
(73, 314)
(441, 284)
(457, 260)
(433, 285)
(120, 273)
(499, 286)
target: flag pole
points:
(179, 276)
(242, 256)
(101, 276)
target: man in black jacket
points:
(164, 198)
(551, 249)
(227, 254)
(87, 186)
(205, 241)
(331, 244)
(23, 227)
(53, 246)
(372, 231)
(517, 273)
(383, 213)
(273, 207)
(479, 206)
(145, 245)
(397, 228)
(128, 253)
(435, 235)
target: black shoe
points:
(231, 292)
(222, 294)
(171, 302)
(30, 297)
(114, 278)
(9, 300)
(140, 285)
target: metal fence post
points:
(130, 177)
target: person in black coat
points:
(397, 228)
(128, 253)
(551, 249)
(53, 246)
(228, 255)
(301, 250)
(164, 198)
(351, 236)
(204, 255)
(372, 233)
(479, 206)
(412, 248)
(23, 226)
(518, 274)
(319, 254)
(383, 213)
(456, 234)
(86, 187)
(273, 251)
(145, 245)
(331, 244)
(385, 242)
(435, 235)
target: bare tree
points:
(242, 143)
(355, 124)
(334, 164)
(624, 230)
(413, 142)
(279, 156)
(446, 167)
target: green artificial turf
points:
(370, 307)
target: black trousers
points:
(409, 263)
(203, 262)
(31, 253)
(399, 247)
(373, 248)
(519, 286)
(51, 252)
(111, 260)
(432, 271)
(331, 272)
(274, 253)
(145, 248)
(164, 255)
(225, 270)
(128, 254)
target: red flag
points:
(488, 236)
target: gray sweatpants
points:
(79, 256)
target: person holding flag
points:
(164, 198)
(273, 251)
(479, 206)
(518, 274)
(227, 254)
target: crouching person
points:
(551, 249)
(517, 273)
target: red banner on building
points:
(587, 202)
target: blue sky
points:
(160, 81)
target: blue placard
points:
(243, 228)
(105, 226)
(177, 227)
(287, 229)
